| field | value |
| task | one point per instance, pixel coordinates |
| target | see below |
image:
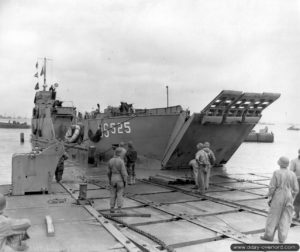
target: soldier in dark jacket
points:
(60, 167)
(131, 157)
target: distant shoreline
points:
(13, 118)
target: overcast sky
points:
(111, 51)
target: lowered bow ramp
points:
(225, 122)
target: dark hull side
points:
(224, 139)
(150, 134)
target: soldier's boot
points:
(133, 180)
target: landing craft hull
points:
(225, 122)
(150, 134)
(169, 135)
(223, 138)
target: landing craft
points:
(167, 134)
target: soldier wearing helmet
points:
(117, 178)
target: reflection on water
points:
(249, 158)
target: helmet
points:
(118, 151)
(200, 146)
(206, 144)
(283, 162)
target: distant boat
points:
(14, 125)
(263, 136)
(293, 128)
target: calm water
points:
(249, 158)
(262, 157)
(9, 144)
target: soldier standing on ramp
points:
(131, 157)
(60, 167)
(282, 191)
(193, 163)
(123, 153)
(295, 167)
(117, 177)
(212, 160)
(203, 165)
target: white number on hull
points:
(116, 128)
(127, 128)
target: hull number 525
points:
(116, 128)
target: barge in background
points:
(262, 136)
(14, 125)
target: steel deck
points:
(233, 211)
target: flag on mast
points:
(36, 75)
(42, 72)
(37, 86)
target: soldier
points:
(212, 160)
(13, 232)
(203, 165)
(131, 157)
(193, 163)
(60, 167)
(123, 153)
(295, 167)
(117, 177)
(282, 190)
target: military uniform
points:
(282, 190)
(203, 165)
(295, 167)
(60, 167)
(212, 160)
(131, 157)
(117, 176)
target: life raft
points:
(73, 133)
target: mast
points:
(44, 72)
(167, 96)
